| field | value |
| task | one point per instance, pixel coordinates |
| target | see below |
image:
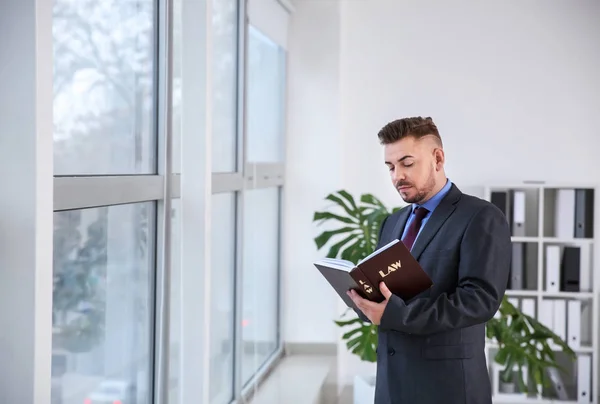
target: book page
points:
(336, 263)
(385, 247)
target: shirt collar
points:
(433, 203)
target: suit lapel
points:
(436, 220)
(400, 223)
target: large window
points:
(262, 203)
(103, 265)
(120, 201)
(223, 260)
(225, 89)
(247, 183)
(104, 87)
(265, 98)
(260, 276)
(104, 241)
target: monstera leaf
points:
(360, 223)
(361, 340)
(524, 343)
(355, 238)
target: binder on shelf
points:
(502, 201)
(518, 214)
(559, 318)
(584, 379)
(546, 313)
(574, 324)
(584, 213)
(570, 268)
(585, 268)
(586, 336)
(528, 306)
(552, 268)
(518, 265)
(557, 383)
(565, 213)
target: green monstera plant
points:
(522, 341)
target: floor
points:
(300, 379)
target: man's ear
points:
(440, 158)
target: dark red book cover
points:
(392, 264)
(395, 265)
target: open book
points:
(393, 264)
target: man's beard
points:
(422, 193)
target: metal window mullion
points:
(264, 175)
(226, 182)
(265, 168)
(242, 136)
(175, 185)
(238, 295)
(280, 278)
(163, 275)
(88, 192)
(267, 182)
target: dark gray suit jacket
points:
(431, 348)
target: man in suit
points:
(431, 348)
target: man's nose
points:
(399, 176)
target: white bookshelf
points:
(542, 228)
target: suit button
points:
(391, 352)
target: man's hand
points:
(372, 310)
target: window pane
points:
(101, 328)
(104, 87)
(175, 318)
(260, 278)
(222, 279)
(177, 85)
(225, 35)
(266, 85)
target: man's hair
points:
(416, 127)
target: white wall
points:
(313, 166)
(513, 88)
(502, 80)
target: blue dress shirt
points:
(430, 205)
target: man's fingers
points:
(354, 296)
(361, 303)
(367, 305)
(385, 291)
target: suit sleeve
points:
(358, 312)
(483, 271)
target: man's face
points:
(413, 165)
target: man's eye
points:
(408, 164)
